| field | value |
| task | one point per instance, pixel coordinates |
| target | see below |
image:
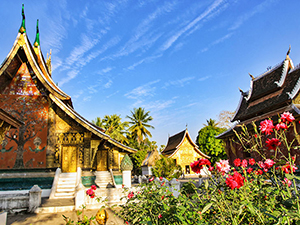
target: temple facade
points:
(183, 150)
(49, 132)
(270, 94)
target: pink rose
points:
(223, 166)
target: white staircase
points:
(103, 179)
(66, 186)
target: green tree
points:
(208, 144)
(114, 127)
(138, 157)
(166, 167)
(98, 122)
(139, 120)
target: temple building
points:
(149, 162)
(183, 150)
(270, 94)
(50, 133)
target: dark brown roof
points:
(175, 142)
(267, 95)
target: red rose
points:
(249, 170)
(269, 163)
(244, 163)
(272, 143)
(159, 216)
(93, 187)
(266, 126)
(281, 126)
(251, 161)
(287, 116)
(237, 162)
(151, 179)
(235, 181)
(130, 195)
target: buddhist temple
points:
(47, 133)
(270, 94)
(183, 150)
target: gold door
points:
(102, 160)
(69, 159)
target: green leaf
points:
(206, 207)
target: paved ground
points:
(56, 218)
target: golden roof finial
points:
(241, 91)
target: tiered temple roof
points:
(23, 52)
(175, 141)
(271, 93)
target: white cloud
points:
(204, 78)
(108, 84)
(70, 75)
(147, 59)
(192, 24)
(218, 41)
(158, 105)
(242, 19)
(179, 83)
(116, 92)
(142, 91)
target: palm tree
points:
(98, 122)
(139, 124)
(113, 126)
(211, 123)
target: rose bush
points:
(250, 192)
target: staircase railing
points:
(54, 184)
(112, 177)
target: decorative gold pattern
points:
(186, 154)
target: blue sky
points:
(182, 60)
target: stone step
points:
(65, 189)
(64, 194)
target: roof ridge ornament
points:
(37, 37)
(287, 54)
(252, 77)
(22, 28)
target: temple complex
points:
(47, 133)
(183, 150)
(270, 94)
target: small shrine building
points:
(51, 133)
(183, 150)
(149, 162)
(270, 94)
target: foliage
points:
(263, 192)
(113, 126)
(208, 144)
(137, 158)
(81, 218)
(139, 123)
(166, 167)
(155, 204)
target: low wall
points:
(17, 202)
(14, 202)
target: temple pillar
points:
(86, 150)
